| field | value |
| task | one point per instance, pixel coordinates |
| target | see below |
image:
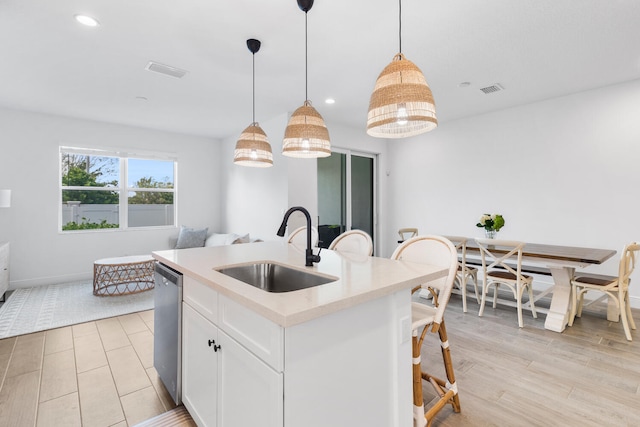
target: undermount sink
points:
(275, 277)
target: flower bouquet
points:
(491, 224)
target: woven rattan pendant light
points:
(306, 134)
(253, 148)
(402, 103)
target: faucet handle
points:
(311, 258)
(316, 258)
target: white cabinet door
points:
(199, 367)
(4, 269)
(250, 392)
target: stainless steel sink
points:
(275, 277)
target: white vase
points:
(490, 234)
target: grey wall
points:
(29, 167)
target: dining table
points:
(561, 262)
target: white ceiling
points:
(536, 49)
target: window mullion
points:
(124, 206)
(87, 188)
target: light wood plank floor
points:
(589, 375)
(101, 373)
(92, 374)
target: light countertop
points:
(360, 278)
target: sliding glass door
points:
(346, 194)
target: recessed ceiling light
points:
(464, 84)
(87, 20)
(329, 101)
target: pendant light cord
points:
(254, 87)
(306, 60)
(400, 25)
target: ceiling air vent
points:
(165, 69)
(491, 89)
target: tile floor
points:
(92, 374)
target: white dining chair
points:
(438, 251)
(497, 271)
(353, 241)
(407, 233)
(615, 287)
(465, 272)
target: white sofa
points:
(199, 237)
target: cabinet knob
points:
(212, 343)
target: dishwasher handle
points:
(168, 274)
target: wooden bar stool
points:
(353, 241)
(434, 250)
(298, 237)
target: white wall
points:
(303, 190)
(562, 171)
(29, 167)
(255, 199)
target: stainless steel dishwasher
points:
(167, 325)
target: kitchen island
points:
(336, 354)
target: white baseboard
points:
(50, 280)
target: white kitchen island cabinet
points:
(199, 367)
(337, 354)
(226, 385)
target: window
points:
(102, 190)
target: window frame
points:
(123, 189)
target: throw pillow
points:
(218, 239)
(242, 239)
(191, 237)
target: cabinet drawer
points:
(201, 297)
(261, 336)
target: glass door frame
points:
(348, 221)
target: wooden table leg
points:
(558, 315)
